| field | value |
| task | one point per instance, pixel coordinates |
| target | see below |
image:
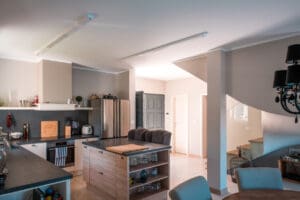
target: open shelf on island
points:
(140, 167)
(143, 195)
(149, 181)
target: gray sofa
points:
(154, 136)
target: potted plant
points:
(78, 100)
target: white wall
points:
(196, 65)
(240, 131)
(279, 131)
(150, 85)
(194, 88)
(251, 71)
(123, 85)
(19, 80)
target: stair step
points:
(257, 140)
(246, 146)
(233, 152)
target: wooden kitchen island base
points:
(121, 175)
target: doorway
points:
(180, 123)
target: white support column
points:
(216, 122)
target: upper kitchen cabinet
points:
(55, 81)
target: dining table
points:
(264, 195)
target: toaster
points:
(86, 129)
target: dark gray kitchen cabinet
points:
(150, 109)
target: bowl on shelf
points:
(16, 135)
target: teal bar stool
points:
(255, 178)
(193, 189)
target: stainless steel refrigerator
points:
(110, 118)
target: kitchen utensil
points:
(26, 131)
(49, 129)
(9, 120)
(86, 129)
(133, 161)
(143, 176)
(154, 172)
(69, 101)
(16, 135)
(94, 96)
(75, 127)
(126, 148)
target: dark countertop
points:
(102, 144)
(51, 139)
(27, 170)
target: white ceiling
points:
(127, 27)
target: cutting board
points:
(49, 129)
(126, 148)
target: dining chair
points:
(255, 178)
(161, 137)
(193, 189)
(137, 134)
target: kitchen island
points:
(142, 174)
(27, 171)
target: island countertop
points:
(27, 170)
(151, 147)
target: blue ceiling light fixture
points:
(287, 82)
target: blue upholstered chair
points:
(193, 189)
(255, 178)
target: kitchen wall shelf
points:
(84, 108)
(17, 108)
(41, 109)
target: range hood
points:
(55, 86)
(55, 107)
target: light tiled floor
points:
(182, 168)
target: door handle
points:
(101, 173)
(33, 145)
(100, 152)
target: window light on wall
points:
(240, 112)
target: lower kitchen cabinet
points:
(79, 153)
(39, 149)
(86, 163)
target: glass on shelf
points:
(154, 172)
(154, 157)
(134, 161)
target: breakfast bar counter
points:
(27, 171)
(129, 174)
(150, 147)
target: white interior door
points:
(180, 123)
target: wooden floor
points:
(182, 168)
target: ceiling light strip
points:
(81, 21)
(161, 47)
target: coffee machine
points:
(75, 126)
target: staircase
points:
(250, 151)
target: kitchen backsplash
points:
(34, 118)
